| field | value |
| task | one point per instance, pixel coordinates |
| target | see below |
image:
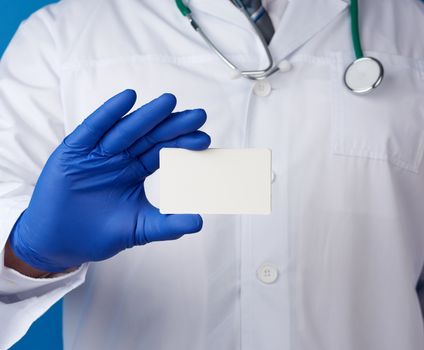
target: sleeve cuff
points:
(24, 299)
(14, 283)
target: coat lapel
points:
(301, 21)
(222, 9)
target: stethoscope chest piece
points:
(364, 75)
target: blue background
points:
(46, 333)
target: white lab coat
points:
(342, 252)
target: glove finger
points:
(178, 124)
(92, 129)
(195, 141)
(160, 227)
(137, 124)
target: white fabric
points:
(346, 233)
(275, 9)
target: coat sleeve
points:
(31, 127)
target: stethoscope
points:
(363, 75)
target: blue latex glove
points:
(89, 202)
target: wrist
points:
(12, 261)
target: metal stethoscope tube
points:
(249, 74)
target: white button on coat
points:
(262, 88)
(267, 273)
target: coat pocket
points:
(388, 123)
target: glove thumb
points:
(162, 227)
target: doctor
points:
(338, 264)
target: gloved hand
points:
(89, 202)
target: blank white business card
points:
(215, 181)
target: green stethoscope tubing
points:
(360, 66)
(368, 68)
(183, 8)
(356, 37)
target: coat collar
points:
(301, 21)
